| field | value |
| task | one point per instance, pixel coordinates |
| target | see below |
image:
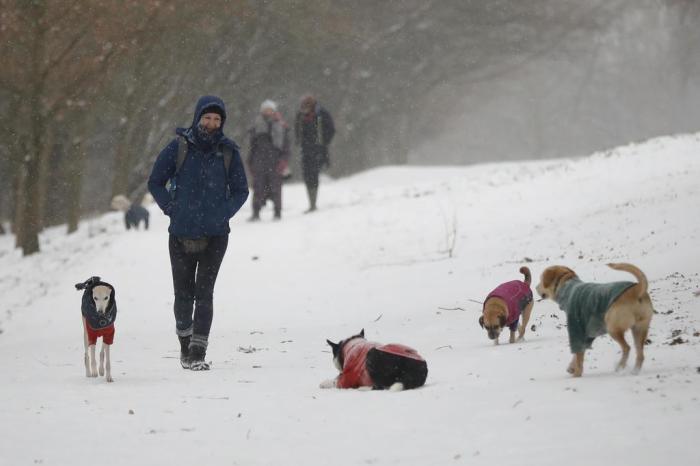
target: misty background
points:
(90, 92)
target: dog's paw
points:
(109, 379)
(396, 387)
(330, 383)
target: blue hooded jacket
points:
(201, 205)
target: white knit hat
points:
(268, 104)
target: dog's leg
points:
(396, 387)
(639, 333)
(330, 383)
(85, 343)
(102, 361)
(93, 362)
(495, 341)
(578, 364)
(526, 318)
(619, 336)
(512, 337)
(108, 362)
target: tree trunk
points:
(18, 217)
(120, 181)
(44, 165)
(74, 168)
(31, 221)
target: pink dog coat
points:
(517, 296)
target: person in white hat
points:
(268, 158)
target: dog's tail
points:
(638, 274)
(528, 277)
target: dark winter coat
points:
(314, 132)
(95, 319)
(206, 198)
(269, 143)
(585, 305)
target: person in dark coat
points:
(314, 131)
(205, 197)
(269, 155)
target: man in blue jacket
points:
(207, 187)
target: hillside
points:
(404, 253)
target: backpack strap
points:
(228, 156)
(181, 153)
(227, 153)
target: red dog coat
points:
(355, 373)
(106, 333)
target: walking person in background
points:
(269, 158)
(207, 187)
(314, 131)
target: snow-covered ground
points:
(403, 253)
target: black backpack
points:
(225, 150)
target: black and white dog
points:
(99, 310)
(368, 365)
(134, 213)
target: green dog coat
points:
(585, 305)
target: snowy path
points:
(375, 256)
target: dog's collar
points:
(555, 289)
(562, 294)
(341, 349)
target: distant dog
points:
(99, 310)
(595, 309)
(504, 306)
(134, 213)
(368, 365)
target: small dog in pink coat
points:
(504, 306)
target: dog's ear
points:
(335, 347)
(362, 333)
(548, 277)
(564, 273)
(481, 321)
(502, 320)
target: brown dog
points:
(595, 309)
(505, 304)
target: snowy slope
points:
(377, 255)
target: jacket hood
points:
(205, 102)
